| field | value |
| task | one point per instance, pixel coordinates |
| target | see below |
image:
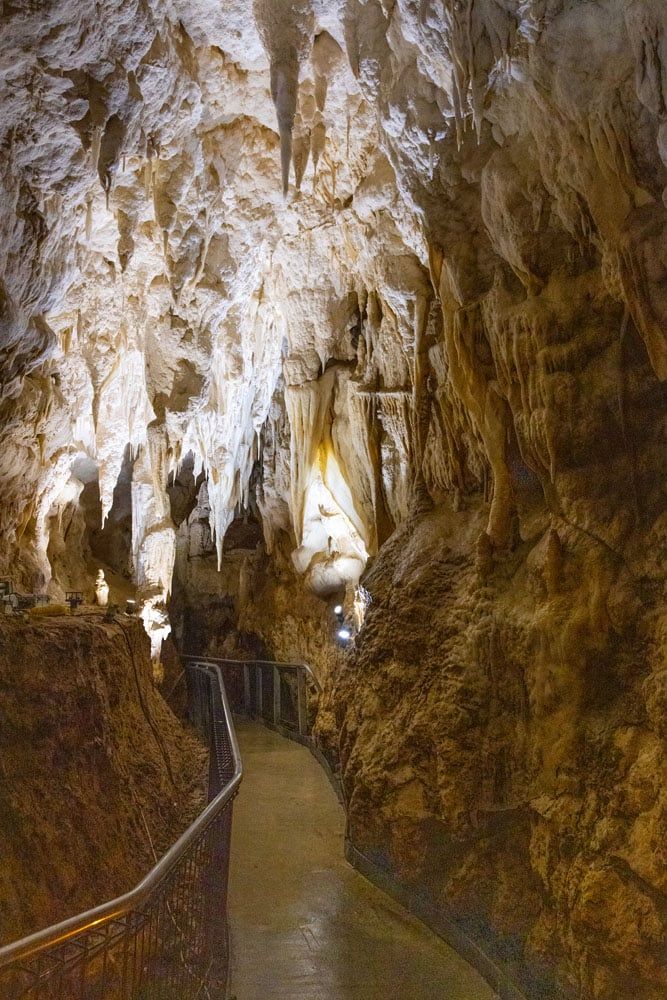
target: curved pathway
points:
(304, 924)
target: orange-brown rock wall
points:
(96, 772)
(502, 743)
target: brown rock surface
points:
(500, 745)
(95, 770)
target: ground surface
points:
(304, 924)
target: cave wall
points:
(92, 760)
(435, 361)
(502, 743)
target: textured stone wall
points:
(502, 740)
(98, 775)
(436, 359)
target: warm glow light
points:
(360, 605)
(332, 553)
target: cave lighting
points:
(344, 634)
(362, 601)
(338, 610)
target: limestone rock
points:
(449, 336)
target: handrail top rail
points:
(121, 905)
(269, 663)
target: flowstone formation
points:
(377, 291)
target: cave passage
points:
(304, 924)
(333, 335)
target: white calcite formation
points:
(349, 260)
(157, 290)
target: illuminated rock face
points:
(156, 287)
(453, 326)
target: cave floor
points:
(304, 924)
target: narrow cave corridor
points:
(304, 924)
(333, 345)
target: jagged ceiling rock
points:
(458, 174)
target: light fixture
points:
(344, 634)
(338, 610)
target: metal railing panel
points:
(282, 665)
(268, 691)
(167, 938)
(277, 693)
(288, 705)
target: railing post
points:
(302, 697)
(260, 692)
(247, 690)
(276, 696)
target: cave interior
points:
(334, 331)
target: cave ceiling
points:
(379, 250)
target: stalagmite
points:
(101, 590)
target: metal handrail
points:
(279, 664)
(19, 953)
(297, 723)
(257, 689)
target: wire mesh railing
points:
(285, 697)
(282, 695)
(167, 939)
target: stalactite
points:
(326, 58)
(89, 216)
(286, 30)
(95, 143)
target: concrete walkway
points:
(304, 924)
